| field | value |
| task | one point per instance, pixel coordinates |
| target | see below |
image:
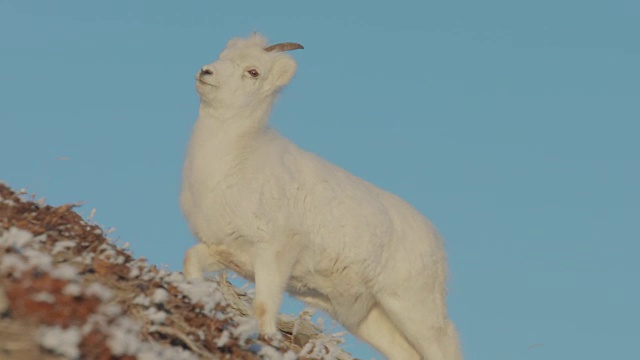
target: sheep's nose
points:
(204, 71)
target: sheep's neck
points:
(240, 122)
(229, 136)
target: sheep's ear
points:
(281, 73)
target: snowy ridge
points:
(67, 292)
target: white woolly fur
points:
(290, 221)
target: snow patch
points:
(160, 296)
(247, 328)
(64, 272)
(123, 337)
(156, 316)
(222, 340)
(100, 291)
(8, 202)
(141, 299)
(270, 353)
(44, 297)
(323, 348)
(111, 310)
(62, 246)
(72, 289)
(38, 260)
(16, 238)
(204, 292)
(13, 263)
(60, 341)
(123, 340)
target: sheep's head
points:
(248, 72)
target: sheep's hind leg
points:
(431, 334)
(379, 331)
(198, 260)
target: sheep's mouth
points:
(204, 82)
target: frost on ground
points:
(67, 292)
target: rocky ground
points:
(68, 292)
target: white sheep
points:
(290, 221)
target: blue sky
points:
(512, 125)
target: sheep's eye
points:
(254, 73)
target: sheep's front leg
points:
(271, 276)
(198, 260)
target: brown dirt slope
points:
(68, 292)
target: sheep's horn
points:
(288, 46)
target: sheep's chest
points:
(211, 201)
(214, 213)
